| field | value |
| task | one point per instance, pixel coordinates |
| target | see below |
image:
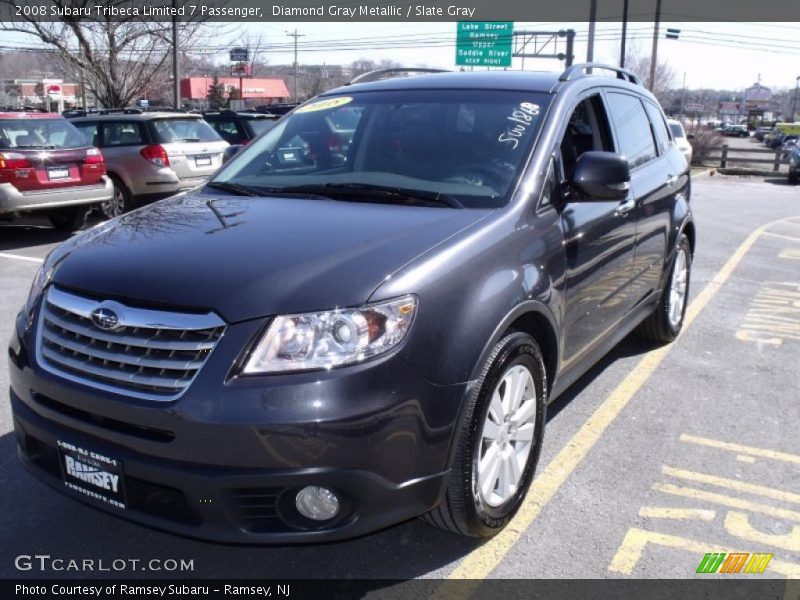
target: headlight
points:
(323, 340)
(39, 281)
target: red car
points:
(48, 167)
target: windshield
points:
(467, 145)
(40, 133)
(677, 130)
(184, 130)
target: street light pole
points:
(176, 83)
(654, 56)
(295, 35)
(794, 102)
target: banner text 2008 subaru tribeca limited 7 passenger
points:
(346, 328)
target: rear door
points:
(122, 142)
(194, 148)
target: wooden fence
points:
(729, 155)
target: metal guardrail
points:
(725, 157)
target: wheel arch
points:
(534, 318)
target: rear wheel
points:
(666, 322)
(499, 443)
(70, 218)
(121, 202)
(794, 178)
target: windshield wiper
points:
(234, 188)
(371, 192)
(38, 146)
(262, 192)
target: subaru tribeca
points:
(330, 338)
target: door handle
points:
(625, 207)
(671, 179)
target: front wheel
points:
(501, 435)
(666, 321)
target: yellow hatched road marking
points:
(479, 563)
(732, 484)
(636, 540)
(663, 512)
(756, 507)
(740, 448)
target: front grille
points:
(149, 354)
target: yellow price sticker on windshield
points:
(324, 104)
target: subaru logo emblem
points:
(105, 318)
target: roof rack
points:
(378, 74)
(578, 71)
(118, 111)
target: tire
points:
(794, 178)
(68, 219)
(666, 321)
(466, 509)
(120, 203)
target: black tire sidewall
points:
(517, 349)
(682, 243)
(127, 204)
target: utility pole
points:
(794, 102)
(654, 56)
(176, 83)
(624, 34)
(592, 21)
(295, 35)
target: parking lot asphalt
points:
(654, 458)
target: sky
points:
(711, 55)
(715, 55)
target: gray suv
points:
(152, 155)
(332, 336)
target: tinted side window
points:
(121, 133)
(633, 128)
(660, 129)
(586, 130)
(90, 132)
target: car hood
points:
(246, 257)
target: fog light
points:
(318, 503)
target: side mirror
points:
(689, 136)
(602, 176)
(230, 152)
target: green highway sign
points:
(484, 43)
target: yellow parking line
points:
(20, 257)
(479, 563)
(740, 448)
(732, 484)
(685, 514)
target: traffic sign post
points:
(484, 43)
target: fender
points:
(529, 306)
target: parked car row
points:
(781, 133)
(115, 159)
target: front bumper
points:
(12, 200)
(225, 460)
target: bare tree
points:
(116, 57)
(638, 61)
